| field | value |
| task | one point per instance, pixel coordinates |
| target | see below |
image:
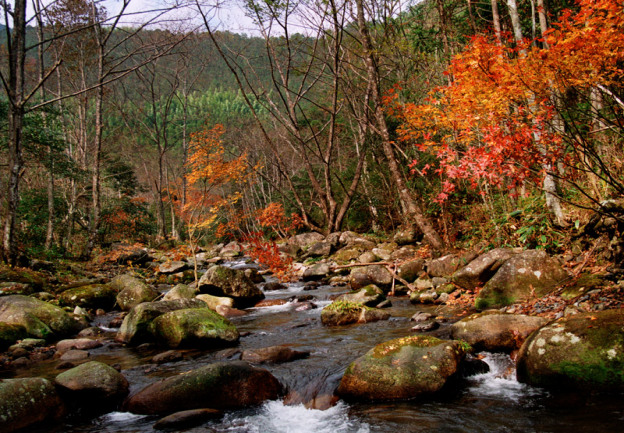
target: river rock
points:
(231, 250)
(91, 296)
(221, 385)
(340, 313)
(406, 235)
(528, 274)
(443, 266)
(410, 270)
(74, 355)
(480, 270)
(172, 267)
(233, 283)
(374, 274)
(130, 255)
(180, 291)
(193, 327)
(273, 354)
(403, 368)
(273, 285)
(10, 333)
(34, 281)
(214, 301)
(28, 401)
(187, 419)
(78, 343)
(135, 327)
(38, 318)
(229, 312)
(93, 386)
(168, 356)
(304, 240)
(496, 332)
(316, 272)
(319, 249)
(584, 351)
(132, 291)
(370, 296)
(353, 239)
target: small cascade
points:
(500, 381)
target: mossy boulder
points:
(403, 368)
(370, 296)
(35, 281)
(26, 402)
(347, 254)
(233, 283)
(194, 327)
(584, 351)
(340, 313)
(496, 332)
(10, 333)
(38, 318)
(132, 291)
(480, 270)
(135, 326)
(526, 275)
(93, 386)
(222, 385)
(92, 296)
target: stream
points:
(490, 402)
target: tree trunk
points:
(496, 21)
(413, 208)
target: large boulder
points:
(403, 368)
(92, 296)
(319, 249)
(528, 274)
(25, 402)
(496, 332)
(233, 283)
(172, 267)
(132, 291)
(135, 326)
(340, 313)
(194, 327)
(38, 318)
(584, 351)
(34, 281)
(370, 296)
(480, 270)
(443, 266)
(93, 386)
(317, 271)
(222, 385)
(373, 274)
(411, 269)
(304, 240)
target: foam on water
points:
(275, 417)
(500, 381)
(119, 417)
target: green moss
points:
(596, 374)
(345, 307)
(494, 300)
(390, 347)
(371, 290)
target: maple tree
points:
(496, 124)
(210, 177)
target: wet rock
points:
(528, 274)
(93, 386)
(214, 301)
(168, 356)
(229, 312)
(316, 272)
(340, 313)
(426, 326)
(311, 285)
(38, 318)
(370, 296)
(273, 285)
(233, 283)
(305, 306)
(584, 352)
(472, 366)
(270, 303)
(254, 275)
(187, 419)
(496, 332)
(78, 344)
(74, 355)
(403, 368)
(421, 317)
(222, 385)
(10, 333)
(193, 327)
(26, 402)
(480, 270)
(172, 267)
(92, 296)
(273, 354)
(135, 327)
(132, 291)
(180, 291)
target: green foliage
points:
(33, 217)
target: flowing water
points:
(490, 402)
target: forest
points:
(495, 122)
